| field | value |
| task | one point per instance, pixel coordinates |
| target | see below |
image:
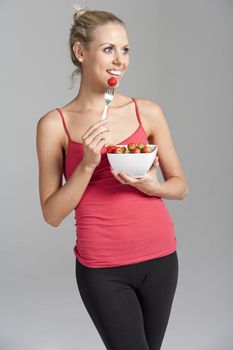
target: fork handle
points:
(105, 112)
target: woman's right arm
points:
(57, 200)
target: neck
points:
(90, 97)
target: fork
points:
(108, 97)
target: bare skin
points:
(122, 120)
(82, 116)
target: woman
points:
(125, 253)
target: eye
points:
(126, 50)
(108, 49)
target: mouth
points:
(114, 72)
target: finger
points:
(87, 136)
(124, 178)
(117, 176)
(95, 135)
(127, 178)
(95, 144)
(100, 145)
(155, 163)
(93, 127)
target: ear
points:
(78, 51)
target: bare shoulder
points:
(49, 120)
(50, 125)
(151, 114)
(122, 100)
(148, 107)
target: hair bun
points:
(79, 11)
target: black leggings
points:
(130, 305)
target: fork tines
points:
(110, 91)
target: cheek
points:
(127, 61)
(103, 61)
(126, 65)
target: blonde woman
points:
(125, 252)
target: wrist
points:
(86, 168)
(158, 190)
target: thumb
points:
(156, 161)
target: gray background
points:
(181, 58)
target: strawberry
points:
(146, 149)
(136, 150)
(131, 146)
(141, 145)
(110, 148)
(112, 81)
(117, 150)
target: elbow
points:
(51, 221)
(54, 224)
(185, 192)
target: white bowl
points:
(135, 165)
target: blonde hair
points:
(85, 22)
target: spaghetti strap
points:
(64, 124)
(137, 111)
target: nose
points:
(117, 63)
(118, 59)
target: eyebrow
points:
(112, 44)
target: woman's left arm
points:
(174, 185)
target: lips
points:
(114, 72)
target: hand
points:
(93, 140)
(148, 184)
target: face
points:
(107, 56)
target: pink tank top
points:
(117, 224)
